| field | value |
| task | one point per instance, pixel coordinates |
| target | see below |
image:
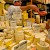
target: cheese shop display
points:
(14, 37)
(19, 32)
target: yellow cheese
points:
(26, 28)
(10, 46)
(25, 15)
(7, 24)
(32, 20)
(41, 47)
(27, 37)
(19, 35)
(2, 24)
(39, 36)
(8, 42)
(1, 42)
(19, 22)
(24, 23)
(18, 28)
(31, 38)
(28, 32)
(1, 8)
(36, 39)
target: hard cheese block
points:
(19, 35)
(8, 42)
(18, 28)
(1, 8)
(25, 15)
(42, 47)
(10, 46)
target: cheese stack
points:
(29, 35)
(19, 35)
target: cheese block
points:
(28, 32)
(32, 20)
(25, 15)
(10, 46)
(7, 24)
(18, 28)
(1, 40)
(24, 23)
(43, 47)
(2, 24)
(36, 39)
(8, 42)
(27, 37)
(31, 38)
(19, 22)
(26, 28)
(19, 35)
(36, 27)
(9, 36)
(1, 8)
(3, 47)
